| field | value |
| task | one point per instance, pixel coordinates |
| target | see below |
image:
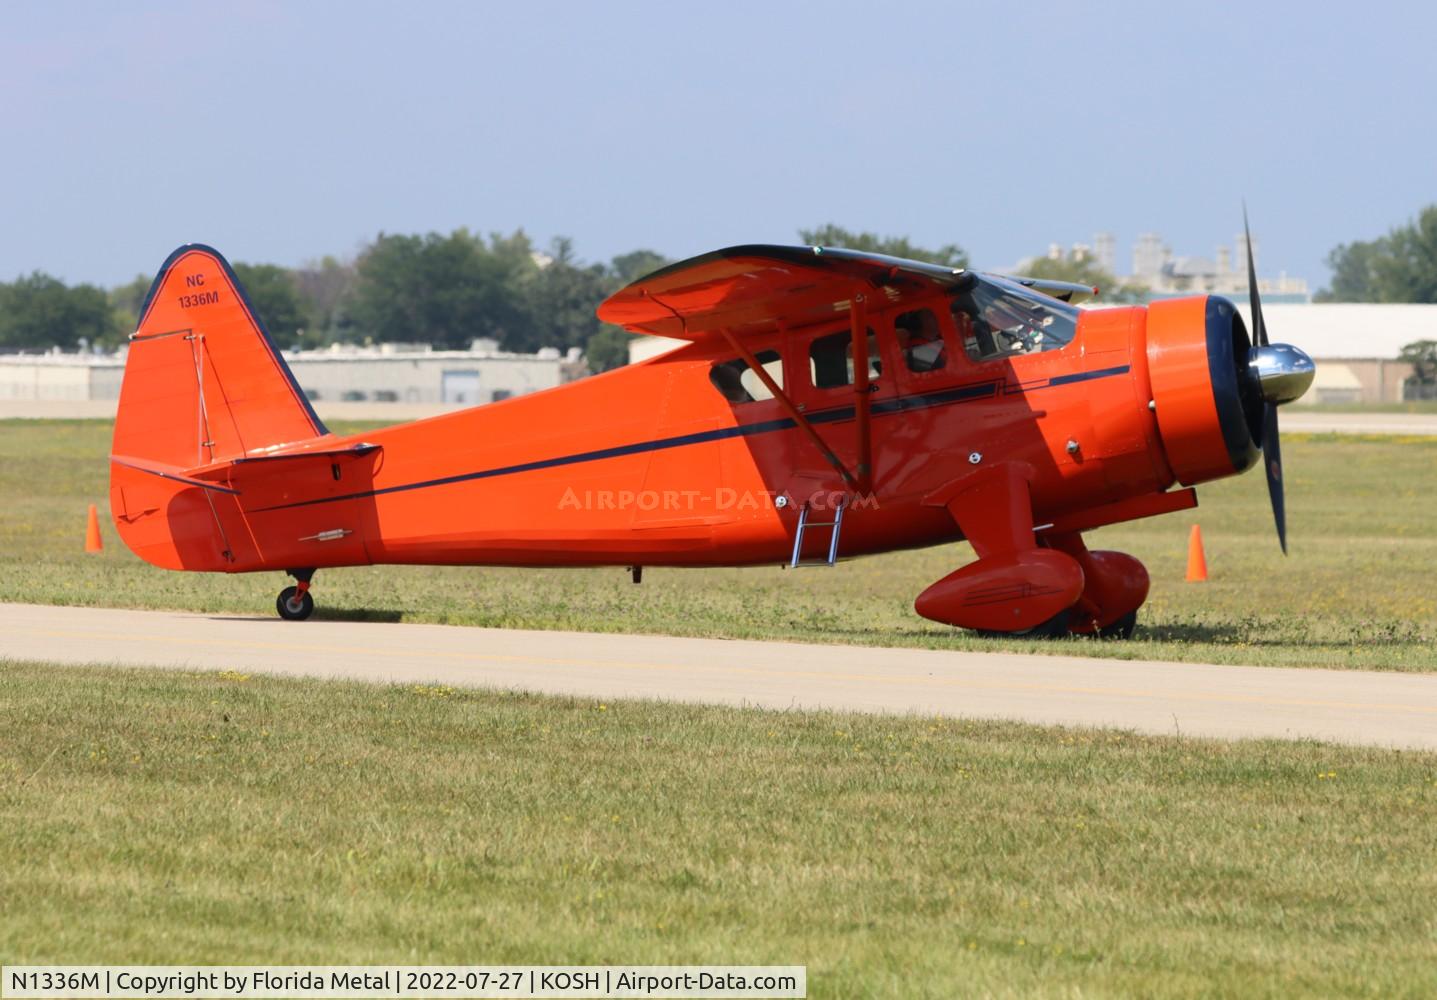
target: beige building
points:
(60, 377)
(1355, 345)
(1165, 275)
(402, 374)
(389, 373)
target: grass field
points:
(154, 817)
(1357, 591)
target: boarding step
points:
(835, 527)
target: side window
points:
(737, 383)
(921, 341)
(830, 360)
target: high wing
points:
(750, 289)
(1065, 291)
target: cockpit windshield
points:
(998, 318)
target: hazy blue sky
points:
(280, 132)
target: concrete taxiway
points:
(1318, 422)
(1381, 709)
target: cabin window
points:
(921, 341)
(1001, 319)
(737, 383)
(830, 360)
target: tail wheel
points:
(294, 605)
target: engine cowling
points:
(1209, 418)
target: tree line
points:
(448, 289)
(432, 288)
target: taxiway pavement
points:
(1360, 707)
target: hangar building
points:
(389, 373)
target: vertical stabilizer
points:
(204, 383)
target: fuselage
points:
(652, 465)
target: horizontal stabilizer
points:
(171, 472)
(219, 471)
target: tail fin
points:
(204, 384)
(203, 381)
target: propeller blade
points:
(1272, 465)
(1259, 330)
(1271, 445)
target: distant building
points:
(1149, 256)
(1223, 276)
(1355, 345)
(1166, 275)
(410, 374)
(388, 373)
(1105, 252)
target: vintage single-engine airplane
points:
(983, 408)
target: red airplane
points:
(987, 408)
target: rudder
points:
(203, 383)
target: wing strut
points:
(858, 322)
(793, 411)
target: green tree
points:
(275, 297)
(1422, 355)
(948, 255)
(1398, 267)
(325, 287)
(442, 290)
(126, 301)
(563, 294)
(630, 267)
(608, 348)
(39, 311)
(1354, 278)
(1086, 272)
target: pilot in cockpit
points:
(728, 379)
(921, 340)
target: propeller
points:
(1282, 374)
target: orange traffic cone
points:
(92, 532)
(1197, 562)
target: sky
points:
(282, 132)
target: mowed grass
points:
(177, 818)
(1356, 592)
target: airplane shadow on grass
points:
(327, 615)
(1232, 635)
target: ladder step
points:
(835, 527)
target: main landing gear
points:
(1028, 584)
(296, 603)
